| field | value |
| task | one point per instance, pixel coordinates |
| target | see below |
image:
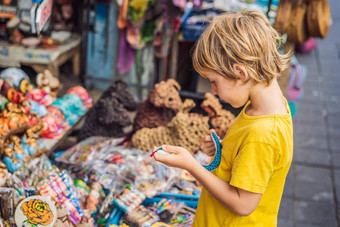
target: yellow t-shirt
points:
(256, 155)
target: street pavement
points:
(312, 192)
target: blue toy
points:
(217, 159)
(11, 166)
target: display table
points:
(40, 59)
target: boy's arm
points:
(237, 200)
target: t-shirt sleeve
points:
(253, 166)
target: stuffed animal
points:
(220, 118)
(185, 129)
(110, 114)
(163, 100)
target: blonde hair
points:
(245, 38)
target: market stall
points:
(138, 54)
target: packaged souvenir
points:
(83, 95)
(38, 108)
(40, 96)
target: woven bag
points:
(318, 18)
(297, 27)
(282, 17)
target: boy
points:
(238, 53)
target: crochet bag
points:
(318, 18)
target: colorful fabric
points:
(126, 55)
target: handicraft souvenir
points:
(110, 113)
(162, 100)
(36, 211)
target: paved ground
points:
(312, 193)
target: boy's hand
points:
(175, 157)
(207, 144)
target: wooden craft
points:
(282, 16)
(318, 18)
(297, 28)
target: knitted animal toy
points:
(185, 129)
(161, 104)
(124, 95)
(109, 115)
(220, 118)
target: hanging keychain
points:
(217, 159)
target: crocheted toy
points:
(163, 100)
(124, 95)
(221, 119)
(185, 129)
(109, 115)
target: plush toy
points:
(185, 129)
(110, 114)
(163, 100)
(221, 119)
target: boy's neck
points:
(266, 100)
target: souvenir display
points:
(103, 181)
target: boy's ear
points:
(241, 72)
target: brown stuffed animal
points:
(221, 119)
(185, 129)
(163, 100)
